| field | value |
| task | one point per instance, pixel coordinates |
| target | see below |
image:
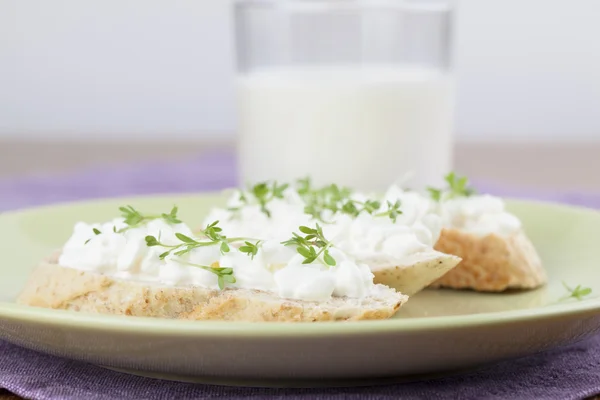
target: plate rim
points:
(153, 326)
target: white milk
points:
(362, 127)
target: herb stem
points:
(224, 275)
(213, 235)
(324, 249)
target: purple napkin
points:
(569, 373)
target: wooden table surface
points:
(569, 166)
(532, 165)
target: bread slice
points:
(57, 287)
(415, 272)
(491, 263)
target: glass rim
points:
(437, 6)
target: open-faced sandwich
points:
(154, 265)
(495, 251)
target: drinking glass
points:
(356, 92)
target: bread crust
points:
(57, 287)
(416, 272)
(491, 263)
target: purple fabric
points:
(569, 373)
(210, 172)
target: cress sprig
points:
(263, 193)
(578, 292)
(224, 274)
(393, 211)
(250, 249)
(337, 199)
(213, 235)
(457, 187)
(134, 219)
(312, 245)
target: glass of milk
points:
(356, 92)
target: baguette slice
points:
(491, 263)
(57, 287)
(415, 272)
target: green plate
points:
(436, 331)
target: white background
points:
(527, 69)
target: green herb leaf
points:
(162, 256)
(151, 241)
(224, 247)
(96, 231)
(371, 206)
(329, 260)
(260, 190)
(350, 208)
(312, 211)
(578, 292)
(311, 246)
(304, 252)
(172, 216)
(184, 238)
(436, 194)
(303, 186)
(457, 187)
(307, 230)
(279, 189)
(131, 215)
(251, 249)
